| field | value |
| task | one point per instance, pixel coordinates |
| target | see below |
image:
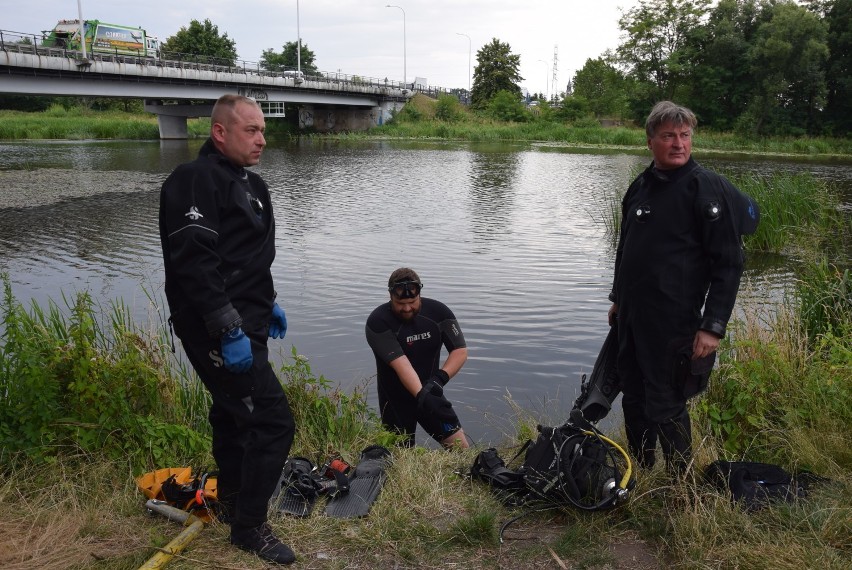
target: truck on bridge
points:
(103, 38)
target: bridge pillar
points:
(172, 127)
(171, 119)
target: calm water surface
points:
(510, 237)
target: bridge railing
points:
(18, 42)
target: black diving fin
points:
(365, 484)
(599, 390)
(298, 488)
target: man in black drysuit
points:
(218, 237)
(406, 335)
(680, 249)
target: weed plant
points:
(329, 421)
(71, 382)
(783, 394)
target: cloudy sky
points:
(365, 37)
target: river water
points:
(511, 237)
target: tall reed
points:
(69, 382)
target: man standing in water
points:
(679, 250)
(218, 237)
(406, 335)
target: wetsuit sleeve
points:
(190, 209)
(723, 244)
(451, 333)
(383, 341)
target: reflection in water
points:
(492, 176)
(510, 237)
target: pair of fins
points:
(349, 496)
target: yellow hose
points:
(178, 543)
(625, 480)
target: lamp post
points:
(404, 63)
(298, 44)
(468, 62)
(82, 27)
(546, 75)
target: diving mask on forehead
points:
(405, 289)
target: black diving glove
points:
(440, 377)
(431, 401)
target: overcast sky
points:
(365, 37)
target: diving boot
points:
(261, 541)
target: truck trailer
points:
(103, 38)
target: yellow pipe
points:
(178, 543)
(625, 480)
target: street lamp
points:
(468, 61)
(299, 45)
(82, 28)
(404, 63)
(546, 75)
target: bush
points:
(448, 109)
(506, 106)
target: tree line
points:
(756, 67)
(762, 67)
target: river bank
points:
(68, 458)
(420, 119)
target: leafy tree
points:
(602, 87)
(574, 107)
(201, 39)
(788, 60)
(720, 85)
(507, 106)
(653, 53)
(838, 109)
(496, 71)
(272, 61)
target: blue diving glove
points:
(278, 322)
(236, 350)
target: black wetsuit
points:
(679, 250)
(218, 239)
(420, 340)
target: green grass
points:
(78, 123)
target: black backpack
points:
(756, 484)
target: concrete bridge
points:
(177, 89)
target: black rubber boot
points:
(676, 441)
(262, 541)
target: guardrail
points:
(33, 44)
